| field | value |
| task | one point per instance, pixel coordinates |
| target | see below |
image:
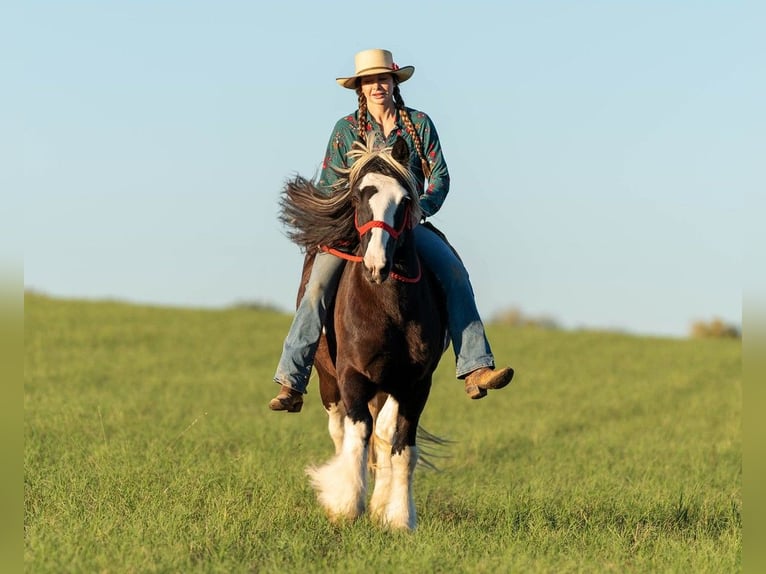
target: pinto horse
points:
(384, 337)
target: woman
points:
(376, 81)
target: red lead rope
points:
(409, 279)
(358, 259)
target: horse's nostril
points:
(375, 275)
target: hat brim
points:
(402, 75)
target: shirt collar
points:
(376, 125)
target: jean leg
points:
(302, 340)
(466, 330)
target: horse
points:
(382, 340)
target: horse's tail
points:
(430, 447)
(313, 217)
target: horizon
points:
(600, 154)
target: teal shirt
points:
(345, 134)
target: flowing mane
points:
(313, 217)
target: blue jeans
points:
(466, 330)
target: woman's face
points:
(378, 89)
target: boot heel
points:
(295, 407)
(287, 400)
(475, 392)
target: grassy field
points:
(149, 448)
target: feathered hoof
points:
(341, 500)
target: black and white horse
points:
(384, 337)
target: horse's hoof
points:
(287, 400)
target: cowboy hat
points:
(372, 62)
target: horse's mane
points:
(314, 217)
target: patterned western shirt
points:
(345, 133)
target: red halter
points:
(395, 233)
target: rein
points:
(395, 233)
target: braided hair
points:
(410, 127)
(405, 115)
(362, 120)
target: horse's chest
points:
(386, 343)
(388, 334)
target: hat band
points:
(360, 72)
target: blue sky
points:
(601, 153)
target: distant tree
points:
(714, 329)
(257, 306)
(513, 317)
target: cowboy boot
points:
(287, 400)
(479, 381)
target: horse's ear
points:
(401, 152)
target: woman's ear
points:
(401, 151)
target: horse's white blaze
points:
(375, 255)
(335, 416)
(383, 205)
(341, 483)
(385, 426)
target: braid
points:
(410, 127)
(362, 120)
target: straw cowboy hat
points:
(372, 62)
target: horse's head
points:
(384, 193)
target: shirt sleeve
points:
(438, 184)
(335, 156)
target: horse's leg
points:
(383, 435)
(341, 483)
(399, 511)
(400, 508)
(336, 415)
(375, 405)
(330, 394)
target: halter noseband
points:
(395, 233)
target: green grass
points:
(149, 448)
